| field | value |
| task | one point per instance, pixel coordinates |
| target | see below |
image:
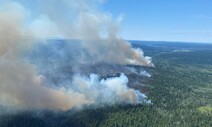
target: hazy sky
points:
(159, 20)
(167, 20)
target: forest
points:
(180, 90)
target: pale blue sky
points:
(166, 20)
(157, 20)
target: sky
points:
(153, 20)
(163, 20)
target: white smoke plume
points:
(139, 72)
(145, 73)
(21, 86)
(108, 91)
(98, 32)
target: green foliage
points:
(180, 89)
(205, 109)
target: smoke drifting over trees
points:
(22, 87)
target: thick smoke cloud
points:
(97, 31)
(108, 91)
(22, 87)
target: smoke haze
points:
(23, 87)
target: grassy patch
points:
(205, 109)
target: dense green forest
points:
(180, 89)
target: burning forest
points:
(59, 55)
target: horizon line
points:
(201, 42)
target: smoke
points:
(108, 91)
(139, 72)
(23, 87)
(144, 73)
(20, 86)
(98, 31)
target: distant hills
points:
(173, 45)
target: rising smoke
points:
(22, 87)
